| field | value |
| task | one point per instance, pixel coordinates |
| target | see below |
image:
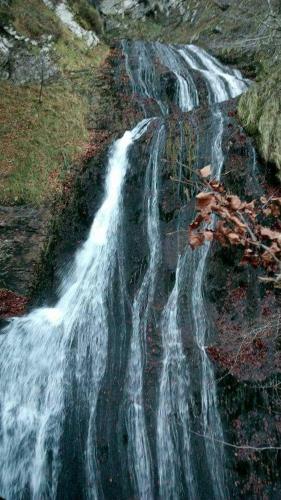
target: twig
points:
(236, 446)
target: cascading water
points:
(53, 361)
(138, 443)
(173, 446)
(36, 354)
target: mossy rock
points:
(260, 112)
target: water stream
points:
(53, 361)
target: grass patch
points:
(37, 138)
(31, 18)
(73, 53)
(40, 141)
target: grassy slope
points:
(40, 141)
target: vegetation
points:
(32, 19)
(260, 112)
(37, 138)
(42, 139)
(87, 16)
(240, 224)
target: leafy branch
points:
(239, 223)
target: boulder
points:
(27, 67)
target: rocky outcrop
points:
(23, 232)
(23, 60)
(140, 9)
(66, 16)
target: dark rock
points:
(22, 235)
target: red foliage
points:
(95, 145)
(11, 304)
(239, 223)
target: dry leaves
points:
(237, 224)
(206, 171)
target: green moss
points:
(260, 112)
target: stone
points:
(22, 235)
(26, 67)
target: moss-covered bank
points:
(260, 112)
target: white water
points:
(174, 451)
(138, 449)
(142, 73)
(44, 354)
(174, 395)
(211, 423)
(35, 352)
(223, 85)
(187, 92)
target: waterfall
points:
(173, 418)
(36, 354)
(54, 361)
(138, 444)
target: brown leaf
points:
(221, 227)
(223, 212)
(206, 201)
(266, 232)
(221, 238)
(277, 200)
(238, 222)
(208, 235)
(221, 232)
(267, 258)
(196, 239)
(217, 186)
(235, 202)
(275, 210)
(206, 171)
(234, 238)
(197, 221)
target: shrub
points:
(33, 18)
(87, 16)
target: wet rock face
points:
(245, 343)
(22, 233)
